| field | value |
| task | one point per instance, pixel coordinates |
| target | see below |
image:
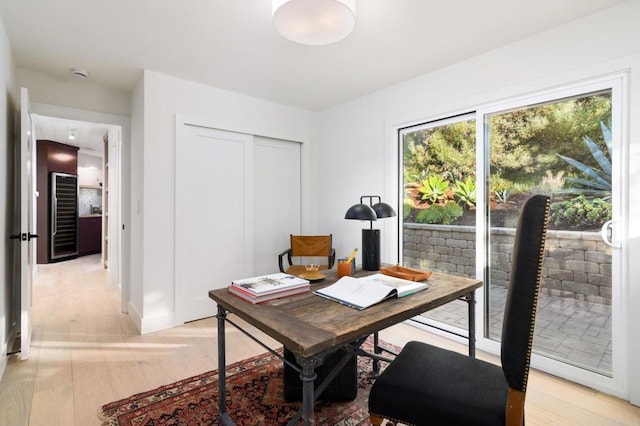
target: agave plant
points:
(434, 189)
(596, 182)
(466, 192)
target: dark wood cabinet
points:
(89, 235)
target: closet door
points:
(237, 201)
(214, 216)
(276, 200)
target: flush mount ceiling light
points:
(314, 22)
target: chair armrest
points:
(281, 255)
(332, 258)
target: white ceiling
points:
(87, 136)
(231, 44)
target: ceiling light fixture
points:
(314, 22)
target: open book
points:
(360, 293)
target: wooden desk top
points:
(309, 324)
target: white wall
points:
(153, 187)
(90, 171)
(133, 259)
(363, 129)
(74, 93)
(7, 107)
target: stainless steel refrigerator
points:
(64, 216)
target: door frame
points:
(118, 128)
(25, 146)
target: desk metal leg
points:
(377, 351)
(471, 301)
(308, 377)
(222, 368)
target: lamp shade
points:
(314, 22)
(383, 210)
(361, 212)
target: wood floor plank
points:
(53, 406)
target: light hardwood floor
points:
(86, 353)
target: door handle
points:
(25, 236)
(55, 216)
(606, 232)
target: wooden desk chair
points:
(317, 246)
(430, 385)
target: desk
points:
(313, 327)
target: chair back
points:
(524, 287)
(311, 245)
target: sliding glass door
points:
(561, 148)
(465, 179)
(439, 205)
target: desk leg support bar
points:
(222, 369)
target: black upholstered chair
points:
(429, 385)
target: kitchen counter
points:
(90, 215)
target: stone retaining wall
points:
(576, 264)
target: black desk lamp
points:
(370, 237)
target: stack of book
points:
(268, 287)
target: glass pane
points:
(439, 163)
(561, 149)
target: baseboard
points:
(134, 316)
(3, 360)
(149, 325)
(3, 365)
(162, 322)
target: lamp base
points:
(371, 249)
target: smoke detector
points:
(79, 72)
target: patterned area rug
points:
(255, 396)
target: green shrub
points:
(407, 206)
(440, 214)
(580, 213)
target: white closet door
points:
(277, 200)
(214, 215)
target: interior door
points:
(26, 222)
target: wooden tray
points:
(406, 273)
